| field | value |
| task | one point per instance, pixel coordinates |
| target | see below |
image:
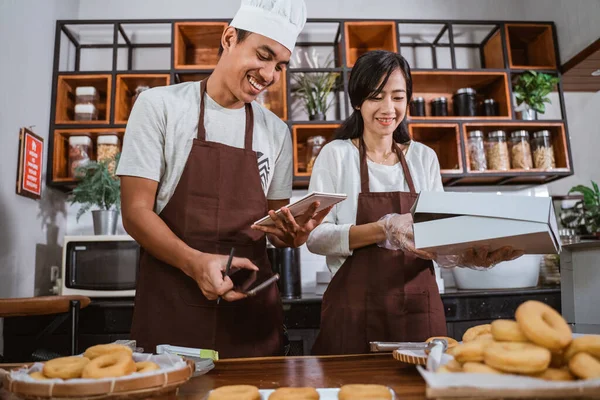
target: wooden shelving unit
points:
(489, 62)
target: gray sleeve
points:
(144, 141)
(281, 185)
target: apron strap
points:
(364, 168)
(248, 134)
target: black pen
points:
(228, 267)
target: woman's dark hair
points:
(368, 71)
(241, 35)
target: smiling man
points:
(201, 162)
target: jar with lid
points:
(86, 95)
(80, 154)
(520, 151)
(107, 148)
(417, 107)
(86, 112)
(138, 90)
(439, 107)
(465, 102)
(314, 144)
(490, 108)
(543, 152)
(476, 147)
(496, 151)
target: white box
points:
(448, 222)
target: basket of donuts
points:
(102, 371)
(346, 392)
(534, 356)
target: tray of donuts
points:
(102, 371)
(346, 392)
(534, 356)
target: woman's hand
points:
(400, 235)
(481, 257)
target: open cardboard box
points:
(449, 222)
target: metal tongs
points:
(384, 347)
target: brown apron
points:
(218, 197)
(379, 294)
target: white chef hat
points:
(280, 20)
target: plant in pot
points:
(531, 90)
(98, 188)
(589, 208)
(314, 88)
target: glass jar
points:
(264, 99)
(465, 102)
(314, 144)
(476, 147)
(80, 154)
(439, 107)
(86, 112)
(107, 148)
(543, 152)
(86, 95)
(520, 150)
(490, 108)
(417, 107)
(138, 91)
(496, 151)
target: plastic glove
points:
(478, 258)
(400, 235)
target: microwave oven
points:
(99, 266)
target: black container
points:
(465, 102)
(439, 107)
(286, 262)
(490, 108)
(417, 107)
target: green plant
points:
(589, 207)
(314, 87)
(97, 187)
(532, 88)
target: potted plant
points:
(314, 87)
(532, 89)
(589, 207)
(98, 187)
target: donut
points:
(146, 366)
(504, 330)
(110, 365)
(479, 368)
(521, 358)
(470, 351)
(65, 367)
(299, 393)
(101, 349)
(235, 392)
(38, 376)
(475, 331)
(444, 370)
(364, 392)
(484, 336)
(585, 366)
(555, 374)
(454, 366)
(451, 342)
(589, 344)
(543, 325)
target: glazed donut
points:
(445, 370)
(235, 392)
(38, 376)
(146, 366)
(484, 336)
(556, 374)
(479, 368)
(475, 331)
(454, 366)
(102, 349)
(589, 344)
(504, 330)
(451, 342)
(364, 392)
(470, 351)
(65, 367)
(299, 393)
(543, 325)
(585, 366)
(110, 365)
(521, 358)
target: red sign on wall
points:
(29, 174)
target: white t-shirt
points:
(337, 170)
(164, 123)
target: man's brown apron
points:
(218, 197)
(379, 294)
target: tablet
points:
(300, 206)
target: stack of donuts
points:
(101, 361)
(347, 392)
(538, 344)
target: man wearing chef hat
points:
(201, 162)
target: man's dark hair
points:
(241, 36)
